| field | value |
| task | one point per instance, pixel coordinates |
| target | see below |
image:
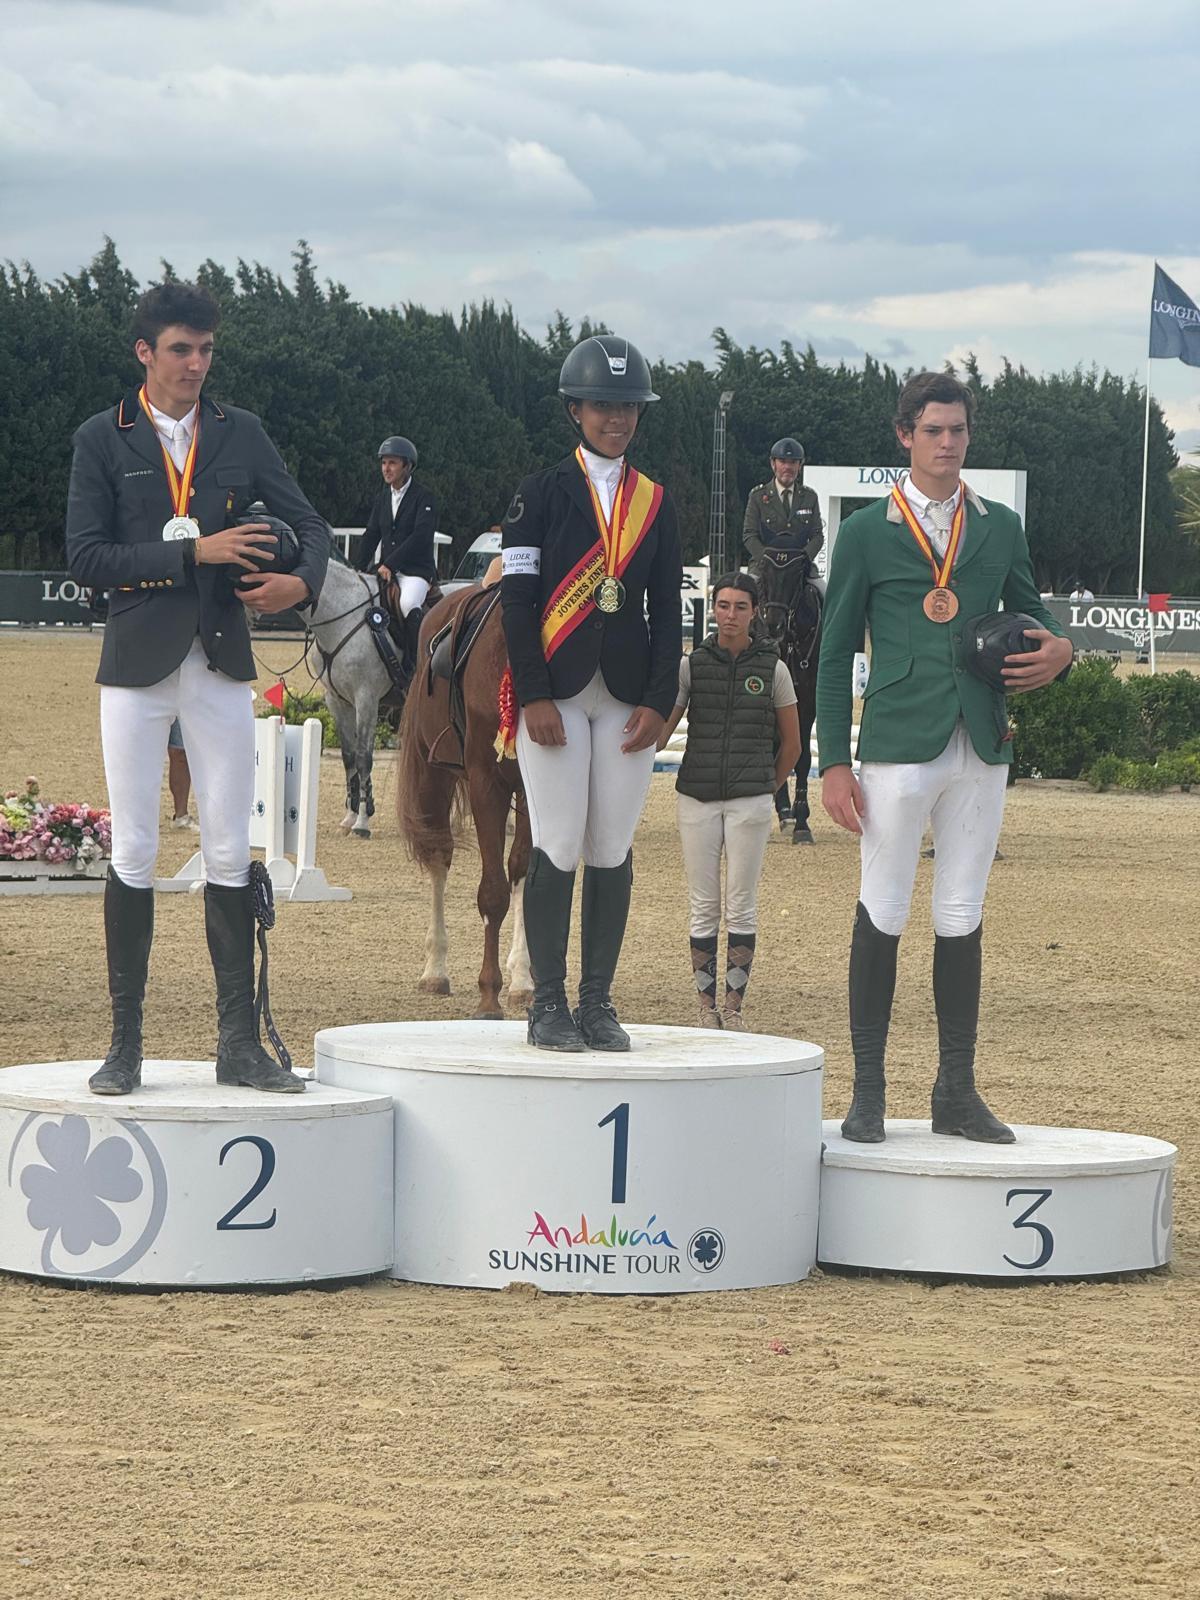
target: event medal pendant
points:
(181, 528)
(940, 605)
(609, 595)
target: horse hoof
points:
(361, 833)
(434, 986)
(803, 836)
(520, 999)
(784, 821)
(348, 821)
(486, 1016)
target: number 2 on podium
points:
(619, 1117)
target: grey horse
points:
(342, 656)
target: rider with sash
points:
(157, 514)
(917, 568)
(592, 618)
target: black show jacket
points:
(117, 504)
(405, 542)
(636, 648)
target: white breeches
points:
(740, 829)
(412, 592)
(585, 797)
(217, 718)
(962, 798)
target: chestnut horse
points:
(433, 797)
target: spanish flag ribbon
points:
(635, 506)
(940, 573)
(180, 483)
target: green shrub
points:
(1168, 710)
(1173, 767)
(1104, 772)
(1062, 729)
(297, 708)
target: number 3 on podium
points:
(1040, 1228)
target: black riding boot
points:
(241, 1059)
(606, 892)
(872, 986)
(958, 1108)
(548, 894)
(128, 932)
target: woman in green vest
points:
(743, 738)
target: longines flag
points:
(1174, 322)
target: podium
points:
(1059, 1203)
(691, 1163)
(186, 1183)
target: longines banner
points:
(1115, 623)
(45, 597)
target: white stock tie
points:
(179, 445)
(940, 514)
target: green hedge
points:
(297, 708)
(1095, 719)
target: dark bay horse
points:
(440, 777)
(791, 609)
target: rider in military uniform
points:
(782, 511)
(160, 485)
(590, 595)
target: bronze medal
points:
(609, 595)
(940, 605)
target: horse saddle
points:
(395, 637)
(449, 651)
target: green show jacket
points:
(917, 689)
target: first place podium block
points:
(690, 1163)
(185, 1183)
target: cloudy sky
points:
(911, 181)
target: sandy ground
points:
(1037, 1442)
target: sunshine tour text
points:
(596, 1266)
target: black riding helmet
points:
(400, 447)
(286, 553)
(604, 367)
(788, 449)
(988, 639)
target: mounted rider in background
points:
(398, 542)
(782, 511)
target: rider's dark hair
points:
(943, 388)
(737, 580)
(167, 305)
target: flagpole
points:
(1145, 467)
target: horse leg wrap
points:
(958, 1108)
(872, 988)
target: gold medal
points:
(940, 605)
(609, 595)
(181, 528)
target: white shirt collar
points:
(921, 502)
(166, 425)
(602, 469)
(398, 494)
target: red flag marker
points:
(274, 695)
(1158, 602)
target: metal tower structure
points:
(716, 514)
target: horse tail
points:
(431, 801)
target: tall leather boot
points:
(872, 986)
(229, 916)
(606, 892)
(548, 895)
(128, 932)
(958, 1108)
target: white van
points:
(475, 563)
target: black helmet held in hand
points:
(788, 449)
(401, 448)
(606, 368)
(988, 639)
(285, 555)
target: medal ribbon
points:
(942, 573)
(635, 506)
(180, 484)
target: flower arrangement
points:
(31, 829)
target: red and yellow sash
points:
(635, 506)
(180, 483)
(941, 573)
